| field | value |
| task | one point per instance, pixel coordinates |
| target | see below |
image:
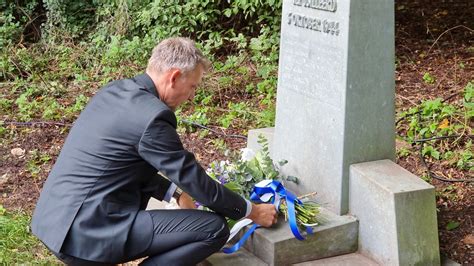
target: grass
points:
(18, 245)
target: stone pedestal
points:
(277, 245)
(396, 212)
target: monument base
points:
(245, 258)
(396, 212)
(278, 246)
(242, 257)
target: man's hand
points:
(263, 214)
(185, 201)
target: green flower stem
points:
(307, 213)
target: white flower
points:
(225, 175)
(248, 177)
(247, 154)
(222, 165)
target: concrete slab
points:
(245, 258)
(240, 258)
(396, 212)
(277, 245)
(353, 259)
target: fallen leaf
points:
(444, 124)
(452, 225)
(3, 179)
(401, 7)
(469, 239)
(17, 152)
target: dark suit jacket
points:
(106, 173)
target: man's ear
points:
(175, 74)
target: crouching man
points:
(92, 207)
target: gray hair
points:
(177, 52)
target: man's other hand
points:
(186, 202)
(263, 214)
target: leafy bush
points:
(75, 18)
(15, 17)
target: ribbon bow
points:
(268, 191)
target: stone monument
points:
(335, 126)
(335, 97)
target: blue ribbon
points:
(275, 188)
(241, 242)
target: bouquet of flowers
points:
(242, 174)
